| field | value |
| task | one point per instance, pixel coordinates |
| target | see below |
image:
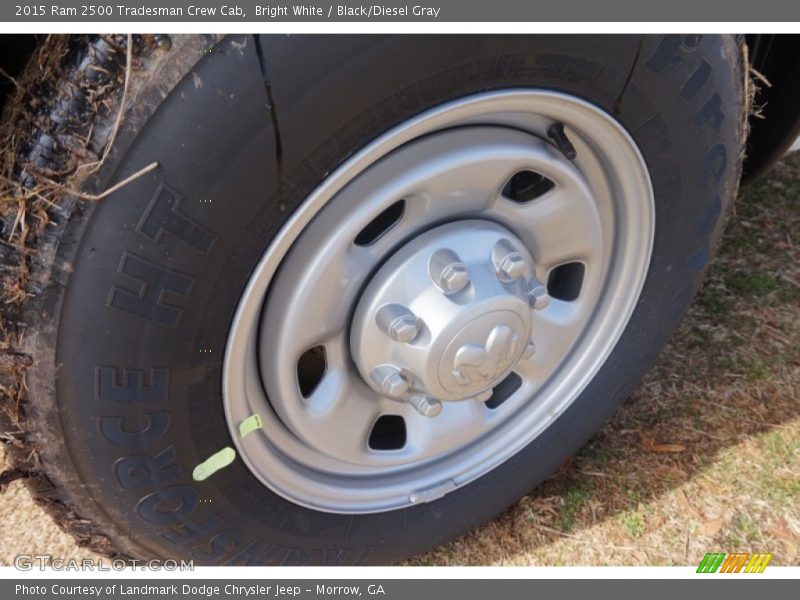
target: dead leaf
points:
(781, 530)
(646, 441)
(669, 448)
(670, 472)
(712, 528)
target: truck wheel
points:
(377, 289)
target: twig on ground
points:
(9, 77)
(108, 192)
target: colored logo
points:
(743, 562)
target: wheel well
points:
(773, 56)
(777, 58)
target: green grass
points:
(763, 285)
(574, 500)
(750, 369)
(742, 532)
(779, 448)
(713, 301)
(755, 284)
(774, 478)
(598, 454)
(632, 523)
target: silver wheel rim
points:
(315, 287)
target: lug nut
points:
(454, 277)
(427, 407)
(398, 323)
(507, 261)
(447, 271)
(537, 294)
(512, 266)
(391, 380)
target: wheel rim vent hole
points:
(388, 433)
(526, 186)
(565, 281)
(311, 368)
(504, 390)
(380, 225)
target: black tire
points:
(122, 402)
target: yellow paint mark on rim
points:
(214, 463)
(250, 424)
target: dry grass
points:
(27, 529)
(704, 456)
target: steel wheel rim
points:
(611, 179)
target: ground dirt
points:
(704, 456)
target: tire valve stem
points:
(556, 133)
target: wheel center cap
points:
(483, 352)
(448, 316)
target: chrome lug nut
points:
(427, 407)
(537, 294)
(398, 322)
(507, 262)
(391, 380)
(447, 271)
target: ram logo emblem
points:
(474, 364)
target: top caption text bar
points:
(464, 11)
